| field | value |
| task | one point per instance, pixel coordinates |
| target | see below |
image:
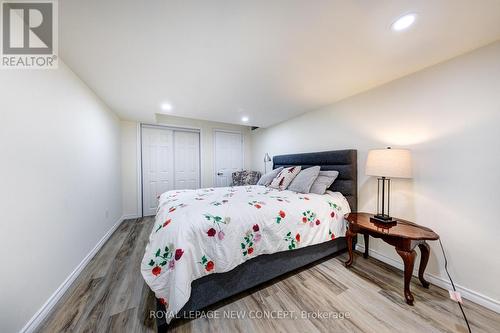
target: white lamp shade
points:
(390, 163)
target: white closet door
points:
(228, 156)
(157, 166)
(187, 160)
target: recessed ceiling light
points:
(167, 106)
(404, 22)
(244, 119)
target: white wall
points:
(129, 153)
(449, 116)
(60, 184)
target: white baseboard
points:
(130, 216)
(466, 293)
(44, 311)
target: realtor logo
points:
(29, 34)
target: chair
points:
(245, 177)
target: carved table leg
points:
(365, 255)
(424, 251)
(408, 259)
(349, 235)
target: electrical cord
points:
(453, 285)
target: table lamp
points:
(386, 164)
(267, 158)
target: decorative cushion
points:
(285, 177)
(304, 180)
(242, 178)
(266, 179)
(323, 182)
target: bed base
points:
(214, 288)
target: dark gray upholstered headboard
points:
(344, 161)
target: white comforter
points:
(200, 232)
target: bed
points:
(210, 244)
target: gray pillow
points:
(323, 182)
(304, 180)
(266, 179)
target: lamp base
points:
(382, 218)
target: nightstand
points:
(401, 234)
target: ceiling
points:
(268, 60)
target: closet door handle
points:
(220, 174)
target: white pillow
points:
(285, 177)
(266, 179)
(304, 180)
(323, 182)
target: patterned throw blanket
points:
(206, 231)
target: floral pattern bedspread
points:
(205, 231)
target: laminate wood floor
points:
(111, 296)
